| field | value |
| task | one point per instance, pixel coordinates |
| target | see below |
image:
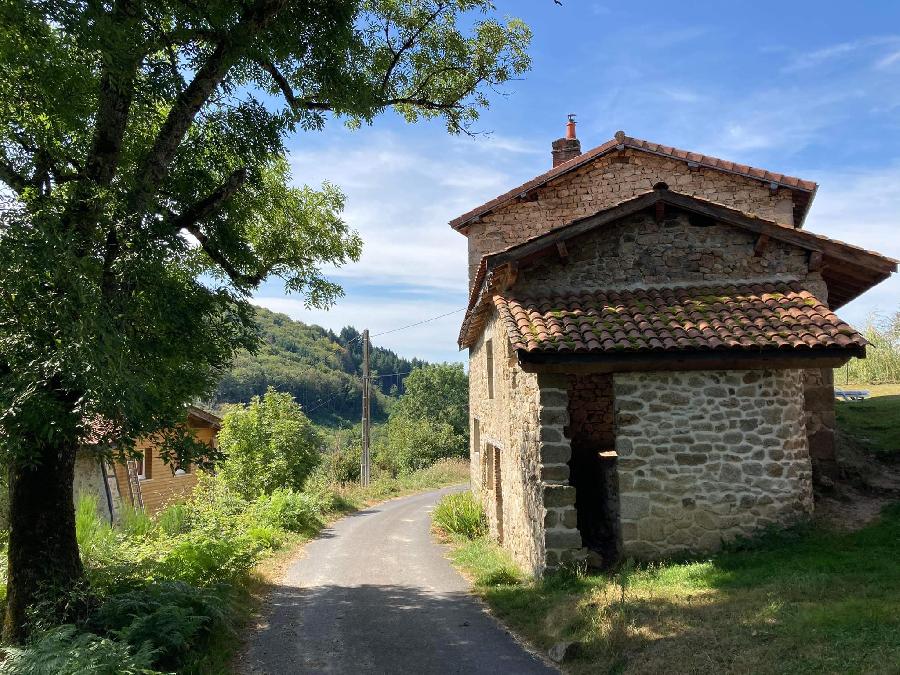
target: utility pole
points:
(364, 471)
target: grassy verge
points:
(874, 423)
(809, 600)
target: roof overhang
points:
(199, 414)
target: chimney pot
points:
(566, 148)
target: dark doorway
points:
(592, 469)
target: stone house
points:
(651, 339)
(147, 483)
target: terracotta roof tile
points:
(621, 142)
(772, 316)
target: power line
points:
(419, 323)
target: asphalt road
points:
(375, 594)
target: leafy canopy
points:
(143, 142)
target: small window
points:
(476, 441)
(489, 350)
(144, 465)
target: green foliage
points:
(439, 393)
(169, 619)
(460, 514)
(882, 362)
(96, 538)
(268, 444)
(173, 520)
(319, 368)
(168, 597)
(66, 651)
(135, 522)
(429, 422)
(487, 563)
(290, 511)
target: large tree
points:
(142, 145)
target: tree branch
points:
(210, 204)
(188, 103)
(288, 93)
(13, 178)
(117, 79)
(408, 43)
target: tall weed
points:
(882, 362)
(460, 514)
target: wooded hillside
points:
(320, 368)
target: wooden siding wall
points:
(163, 487)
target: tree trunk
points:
(44, 564)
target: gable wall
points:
(613, 179)
(638, 251)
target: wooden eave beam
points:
(543, 362)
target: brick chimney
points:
(566, 148)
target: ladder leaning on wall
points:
(134, 484)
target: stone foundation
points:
(709, 456)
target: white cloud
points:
(860, 208)
(401, 194)
(817, 57)
(889, 60)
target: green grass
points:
(809, 600)
(874, 422)
(460, 514)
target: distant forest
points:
(320, 368)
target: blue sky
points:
(811, 89)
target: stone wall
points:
(706, 456)
(613, 179)
(562, 540)
(508, 422)
(818, 393)
(638, 251)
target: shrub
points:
(204, 559)
(882, 362)
(290, 511)
(267, 445)
(413, 444)
(173, 520)
(171, 620)
(65, 651)
(96, 537)
(460, 514)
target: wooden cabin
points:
(147, 483)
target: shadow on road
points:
(380, 629)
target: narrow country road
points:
(374, 594)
